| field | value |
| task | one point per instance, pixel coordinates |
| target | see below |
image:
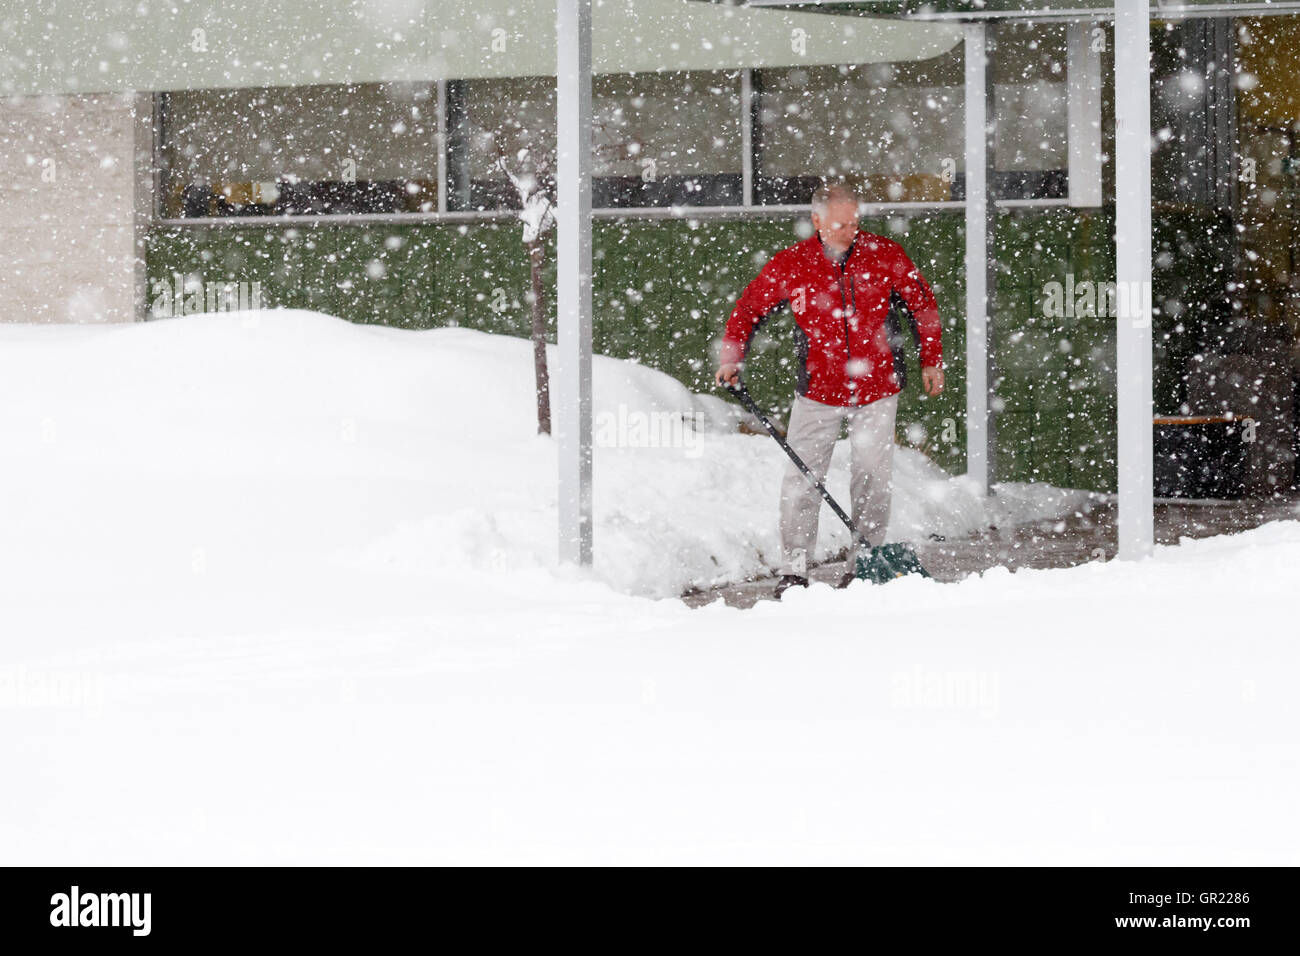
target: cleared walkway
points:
(1048, 544)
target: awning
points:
(69, 46)
(956, 10)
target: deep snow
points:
(280, 588)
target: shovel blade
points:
(889, 561)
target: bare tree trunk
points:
(536, 253)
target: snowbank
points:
(433, 435)
(272, 593)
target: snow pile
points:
(417, 450)
(681, 499)
(222, 643)
(1111, 714)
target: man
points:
(849, 291)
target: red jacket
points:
(849, 317)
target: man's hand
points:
(931, 380)
(728, 373)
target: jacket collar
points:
(821, 247)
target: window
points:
(894, 128)
(369, 148)
(492, 121)
(1031, 152)
(667, 139)
(658, 139)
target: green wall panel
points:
(663, 291)
(1050, 428)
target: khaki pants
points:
(814, 429)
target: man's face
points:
(839, 224)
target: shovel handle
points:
(743, 396)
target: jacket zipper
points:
(848, 351)
(844, 310)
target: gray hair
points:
(830, 191)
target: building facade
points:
(387, 201)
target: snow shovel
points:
(875, 564)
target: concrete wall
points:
(67, 209)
